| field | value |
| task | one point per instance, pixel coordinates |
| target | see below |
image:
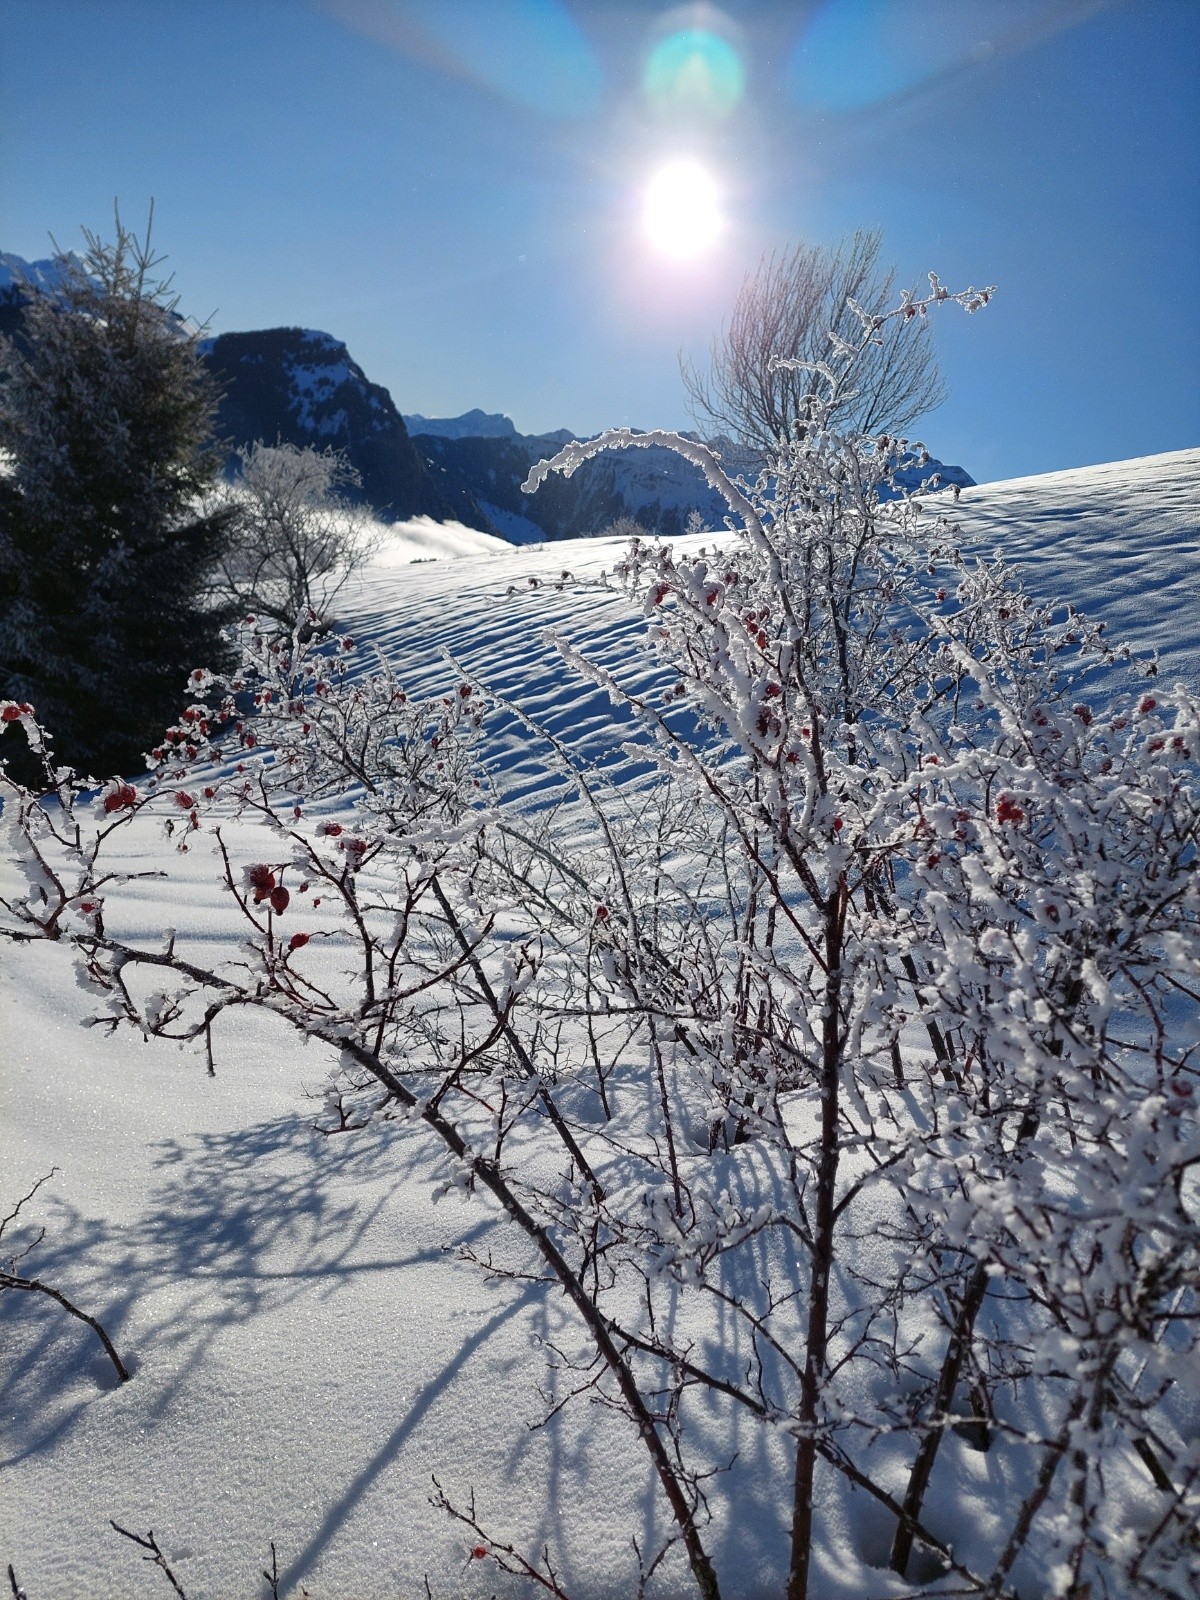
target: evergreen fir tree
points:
(107, 531)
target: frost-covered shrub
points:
(297, 534)
(841, 1073)
(944, 979)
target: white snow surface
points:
(399, 544)
(307, 1349)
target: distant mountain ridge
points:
(302, 386)
(474, 424)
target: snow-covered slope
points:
(1121, 541)
(307, 1350)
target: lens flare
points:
(682, 210)
(693, 72)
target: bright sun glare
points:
(682, 210)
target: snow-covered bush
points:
(297, 536)
(841, 1072)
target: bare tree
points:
(800, 305)
(299, 535)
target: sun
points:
(682, 210)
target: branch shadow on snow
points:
(240, 1224)
(54, 1367)
(344, 1506)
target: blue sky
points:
(453, 187)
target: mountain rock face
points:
(301, 387)
(17, 274)
(18, 280)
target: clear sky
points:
(456, 188)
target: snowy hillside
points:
(308, 1343)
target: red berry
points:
(11, 712)
(601, 913)
(838, 824)
(279, 899)
(478, 1553)
(297, 941)
(1148, 704)
(184, 800)
(262, 880)
(119, 797)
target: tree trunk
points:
(952, 1365)
(822, 1255)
